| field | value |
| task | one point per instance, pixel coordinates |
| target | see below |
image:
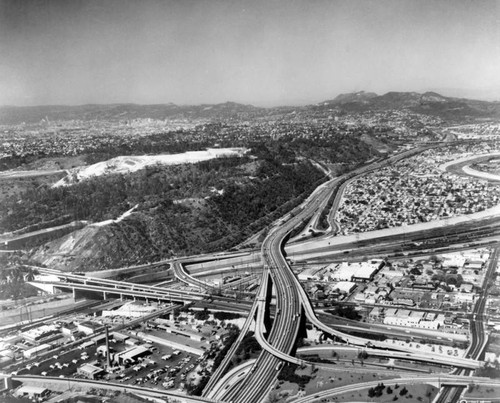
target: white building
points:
(363, 271)
(310, 273)
(88, 327)
(468, 288)
(344, 287)
(35, 351)
(130, 310)
(453, 259)
(464, 297)
(408, 318)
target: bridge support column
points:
(74, 294)
(302, 330)
(268, 323)
(105, 295)
(7, 383)
(121, 297)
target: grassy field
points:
(415, 393)
(323, 379)
(482, 392)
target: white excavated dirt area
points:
(126, 164)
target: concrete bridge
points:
(51, 280)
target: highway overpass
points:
(52, 279)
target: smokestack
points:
(108, 360)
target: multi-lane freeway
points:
(441, 239)
(291, 303)
(283, 334)
(277, 335)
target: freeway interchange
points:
(279, 331)
(293, 308)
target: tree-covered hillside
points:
(181, 210)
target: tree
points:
(363, 355)
(434, 258)
(415, 271)
(202, 315)
(273, 397)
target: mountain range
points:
(430, 103)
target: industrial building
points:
(359, 272)
(89, 371)
(131, 355)
(32, 392)
(36, 351)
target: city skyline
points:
(260, 53)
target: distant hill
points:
(353, 97)
(117, 112)
(430, 103)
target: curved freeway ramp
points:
(434, 380)
(182, 275)
(290, 300)
(68, 383)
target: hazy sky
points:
(259, 52)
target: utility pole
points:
(108, 359)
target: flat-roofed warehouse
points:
(89, 371)
(364, 271)
(35, 351)
(33, 392)
(131, 355)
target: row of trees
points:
(346, 311)
(378, 390)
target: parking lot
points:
(163, 368)
(64, 364)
